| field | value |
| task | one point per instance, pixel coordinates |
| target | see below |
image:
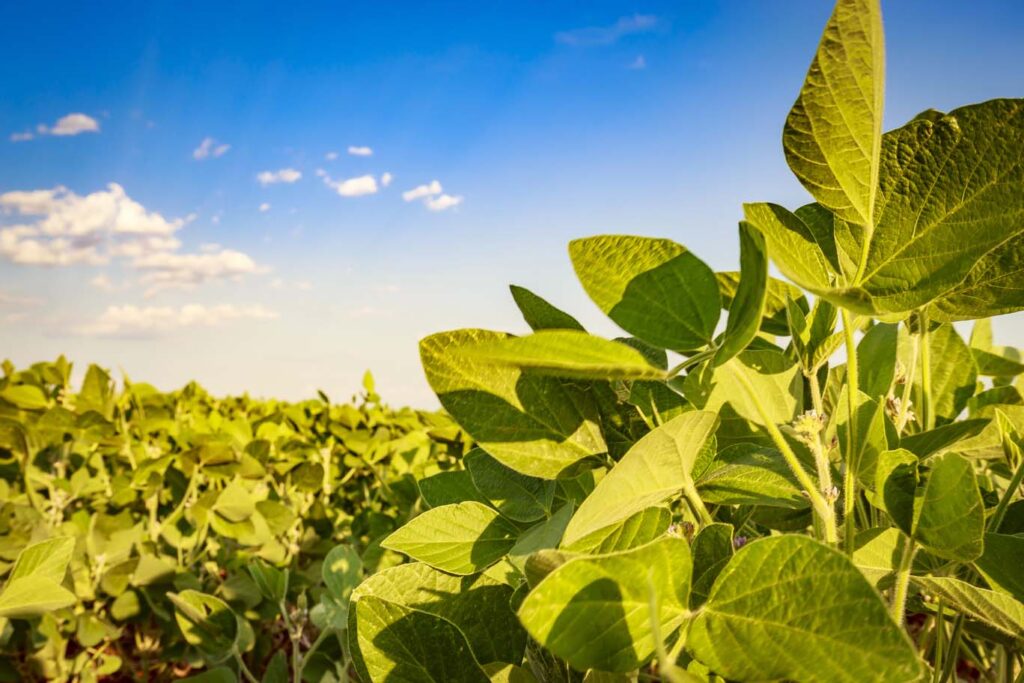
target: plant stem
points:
(908, 385)
(821, 506)
(850, 464)
(940, 636)
(927, 409)
(899, 591)
(954, 648)
(692, 360)
(812, 381)
(1013, 452)
(693, 498)
(243, 668)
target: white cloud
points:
(386, 179)
(172, 270)
(71, 124)
(638, 63)
(421, 191)
(97, 228)
(352, 187)
(331, 156)
(209, 147)
(284, 175)
(442, 202)
(360, 151)
(264, 207)
(103, 282)
(148, 321)
(607, 35)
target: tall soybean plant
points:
(772, 498)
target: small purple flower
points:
(739, 542)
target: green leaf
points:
(950, 515)
(33, 596)
(789, 607)
(1001, 564)
(748, 304)
(342, 571)
(778, 291)
(896, 483)
(542, 535)
(46, 560)
(748, 474)
(993, 361)
(769, 376)
(479, 606)
(654, 289)
(540, 426)
(947, 216)
(712, 549)
(954, 374)
(656, 468)
(207, 623)
(832, 136)
(460, 539)
(566, 353)
(398, 643)
(541, 315)
(271, 581)
(926, 444)
(636, 530)
(876, 360)
(445, 488)
(798, 251)
(877, 553)
(517, 496)
(996, 609)
(593, 611)
(235, 503)
(25, 396)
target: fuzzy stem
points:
(899, 592)
(821, 506)
(908, 385)
(693, 498)
(850, 465)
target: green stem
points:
(812, 381)
(850, 465)
(243, 668)
(295, 636)
(899, 591)
(1013, 452)
(954, 648)
(927, 409)
(693, 498)
(821, 506)
(940, 637)
(908, 385)
(693, 360)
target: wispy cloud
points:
(209, 147)
(358, 151)
(420, 191)
(638, 63)
(264, 207)
(331, 156)
(433, 196)
(62, 228)
(593, 36)
(284, 175)
(75, 123)
(150, 321)
(442, 202)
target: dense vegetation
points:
(823, 488)
(157, 502)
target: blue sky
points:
(132, 243)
